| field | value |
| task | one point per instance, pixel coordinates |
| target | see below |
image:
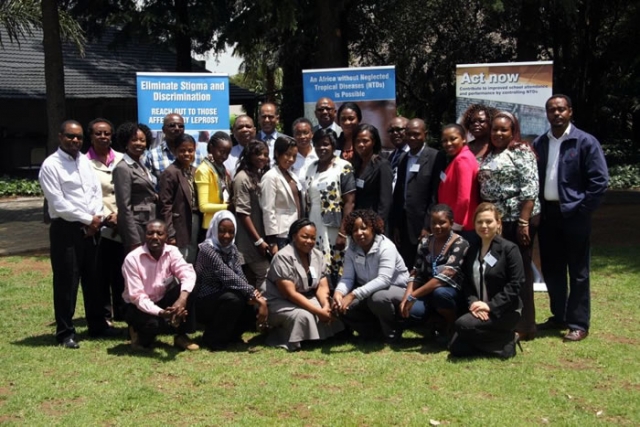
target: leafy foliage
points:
(19, 187)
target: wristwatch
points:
(411, 298)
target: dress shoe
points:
(575, 335)
(105, 333)
(69, 342)
(526, 336)
(183, 342)
(551, 324)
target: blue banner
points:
(202, 99)
(350, 84)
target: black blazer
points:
(374, 187)
(503, 280)
(176, 204)
(422, 192)
(136, 199)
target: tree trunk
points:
(332, 50)
(53, 72)
(182, 37)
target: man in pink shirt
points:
(158, 283)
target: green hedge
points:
(19, 187)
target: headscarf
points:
(212, 232)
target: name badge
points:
(360, 259)
(490, 259)
(493, 165)
(360, 183)
(337, 153)
(415, 168)
(322, 186)
(225, 196)
(443, 176)
(312, 272)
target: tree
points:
(19, 18)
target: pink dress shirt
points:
(147, 279)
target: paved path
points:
(21, 226)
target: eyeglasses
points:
(395, 130)
(268, 116)
(73, 136)
(176, 125)
(321, 109)
(101, 133)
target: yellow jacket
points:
(210, 196)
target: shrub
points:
(19, 187)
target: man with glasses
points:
(75, 206)
(326, 114)
(396, 130)
(159, 158)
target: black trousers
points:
(474, 336)
(225, 318)
(149, 326)
(110, 257)
(73, 259)
(407, 249)
(527, 322)
(565, 247)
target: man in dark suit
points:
(416, 190)
(573, 178)
(397, 127)
(268, 119)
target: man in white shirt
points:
(75, 206)
(244, 131)
(573, 178)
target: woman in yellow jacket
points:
(212, 179)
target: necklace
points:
(440, 255)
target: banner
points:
(202, 99)
(372, 88)
(521, 88)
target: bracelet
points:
(523, 221)
(342, 235)
(523, 225)
(411, 298)
(411, 279)
(259, 242)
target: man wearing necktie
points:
(268, 119)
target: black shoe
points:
(551, 324)
(105, 333)
(69, 342)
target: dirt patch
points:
(32, 264)
(619, 340)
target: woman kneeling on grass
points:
(373, 281)
(298, 291)
(494, 274)
(434, 291)
(224, 298)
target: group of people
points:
(322, 233)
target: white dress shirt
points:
(71, 187)
(232, 161)
(551, 174)
(302, 163)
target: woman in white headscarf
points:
(224, 298)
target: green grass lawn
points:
(595, 382)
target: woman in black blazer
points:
(374, 177)
(494, 274)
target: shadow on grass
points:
(159, 351)
(625, 258)
(44, 340)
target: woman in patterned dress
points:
(434, 290)
(508, 178)
(224, 298)
(331, 190)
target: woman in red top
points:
(458, 184)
